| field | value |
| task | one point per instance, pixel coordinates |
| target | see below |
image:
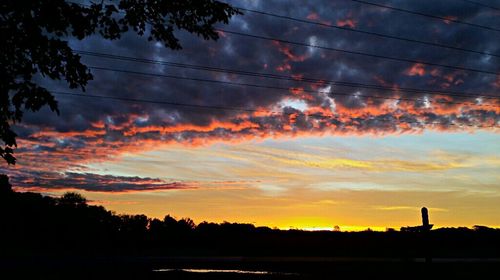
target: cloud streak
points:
(51, 181)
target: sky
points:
(340, 139)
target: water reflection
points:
(201, 270)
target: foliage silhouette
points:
(34, 36)
(72, 199)
(42, 225)
(46, 237)
(5, 186)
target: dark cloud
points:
(46, 180)
(92, 129)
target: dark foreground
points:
(245, 268)
(65, 238)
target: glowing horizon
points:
(314, 182)
(253, 130)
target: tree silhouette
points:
(34, 36)
(5, 186)
(72, 199)
(34, 225)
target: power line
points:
(481, 4)
(426, 15)
(280, 77)
(270, 87)
(358, 52)
(359, 31)
(368, 32)
(140, 100)
(241, 109)
(170, 103)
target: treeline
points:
(36, 225)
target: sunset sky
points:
(336, 138)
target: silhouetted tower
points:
(425, 218)
(425, 223)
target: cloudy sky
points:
(295, 125)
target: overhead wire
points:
(141, 100)
(446, 19)
(288, 89)
(357, 30)
(281, 77)
(482, 4)
(378, 56)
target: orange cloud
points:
(288, 52)
(299, 91)
(289, 56)
(416, 70)
(189, 127)
(52, 133)
(48, 149)
(347, 22)
(313, 16)
(284, 67)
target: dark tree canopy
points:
(72, 199)
(42, 226)
(34, 36)
(5, 186)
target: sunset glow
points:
(324, 138)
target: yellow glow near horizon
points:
(318, 183)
